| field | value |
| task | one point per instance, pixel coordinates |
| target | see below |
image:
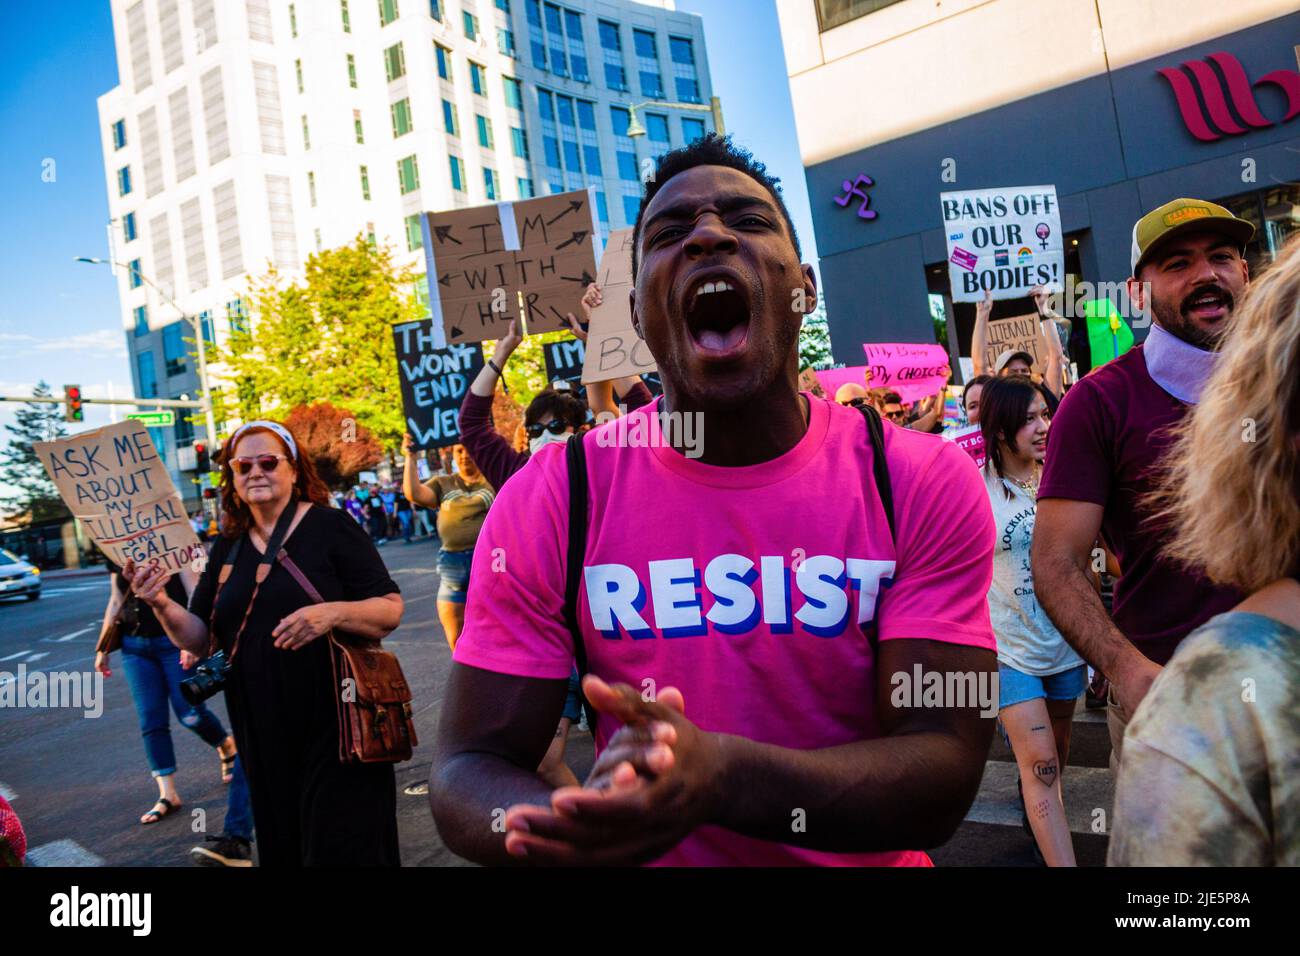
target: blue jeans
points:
(153, 671)
(239, 811)
(405, 518)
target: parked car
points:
(18, 576)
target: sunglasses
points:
(897, 416)
(268, 463)
(555, 426)
(856, 402)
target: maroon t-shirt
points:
(1111, 429)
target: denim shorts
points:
(453, 575)
(572, 704)
(1016, 687)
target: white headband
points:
(270, 426)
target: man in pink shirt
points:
(751, 624)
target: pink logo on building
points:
(1208, 117)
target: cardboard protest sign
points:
(1021, 333)
(564, 360)
(970, 440)
(1005, 240)
(913, 371)
(434, 382)
(832, 378)
(528, 260)
(114, 481)
(614, 350)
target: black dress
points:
(308, 807)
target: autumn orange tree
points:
(337, 444)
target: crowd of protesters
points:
(1173, 466)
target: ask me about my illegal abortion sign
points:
(1004, 241)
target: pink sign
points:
(913, 371)
(833, 378)
(971, 441)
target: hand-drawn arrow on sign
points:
(574, 206)
(444, 234)
(577, 237)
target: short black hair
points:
(711, 150)
(565, 406)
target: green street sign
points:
(154, 419)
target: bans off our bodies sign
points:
(113, 481)
(1004, 241)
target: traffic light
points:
(72, 404)
(201, 457)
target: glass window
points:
(444, 61)
(692, 129)
(525, 187)
(615, 77)
(401, 115)
(128, 226)
(591, 158)
(514, 92)
(141, 315)
(365, 184)
(609, 38)
(347, 20)
(682, 51)
(620, 118)
(147, 373)
(209, 331)
(491, 185)
(311, 187)
(545, 106)
(293, 22)
(627, 166)
(236, 315)
(394, 62)
(577, 49)
(471, 25)
(408, 175)
(644, 43)
(174, 351)
(133, 274)
(833, 13)
(565, 106)
(119, 134)
(587, 115)
(352, 71)
(478, 78)
(688, 89)
(457, 173)
(571, 160)
(631, 206)
(506, 42)
(602, 207)
(551, 148)
(124, 180)
(450, 121)
(184, 429)
(519, 142)
(652, 85)
(387, 12)
(297, 69)
(485, 132)
(306, 133)
(414, 234)
(503, 6)
(357, 128)
(656, 126)
(435, 9)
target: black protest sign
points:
(529, 260)
(434, 382)
(564, 360)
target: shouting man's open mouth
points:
(717, 312)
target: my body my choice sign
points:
(1005, 240)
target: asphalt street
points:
(79, 783)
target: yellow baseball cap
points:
(1185, 215)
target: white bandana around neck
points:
(1178, 367)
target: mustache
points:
(1223, 293)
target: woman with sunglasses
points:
(309, 808)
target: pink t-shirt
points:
(746, 588)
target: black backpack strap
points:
(879, 466)
(575, 454)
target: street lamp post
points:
(634, 127)
(195, 322)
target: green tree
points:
(815, 339)
(327, 338)
(22, 471)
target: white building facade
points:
(252, 133)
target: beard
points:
(1177, 320)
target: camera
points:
(209, 677)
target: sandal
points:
(167, 806)
(228, 766)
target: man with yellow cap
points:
(1112, 432)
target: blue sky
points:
(59, 319)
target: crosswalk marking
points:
(62, 853)
(68, 637)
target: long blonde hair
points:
(1230, 484)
